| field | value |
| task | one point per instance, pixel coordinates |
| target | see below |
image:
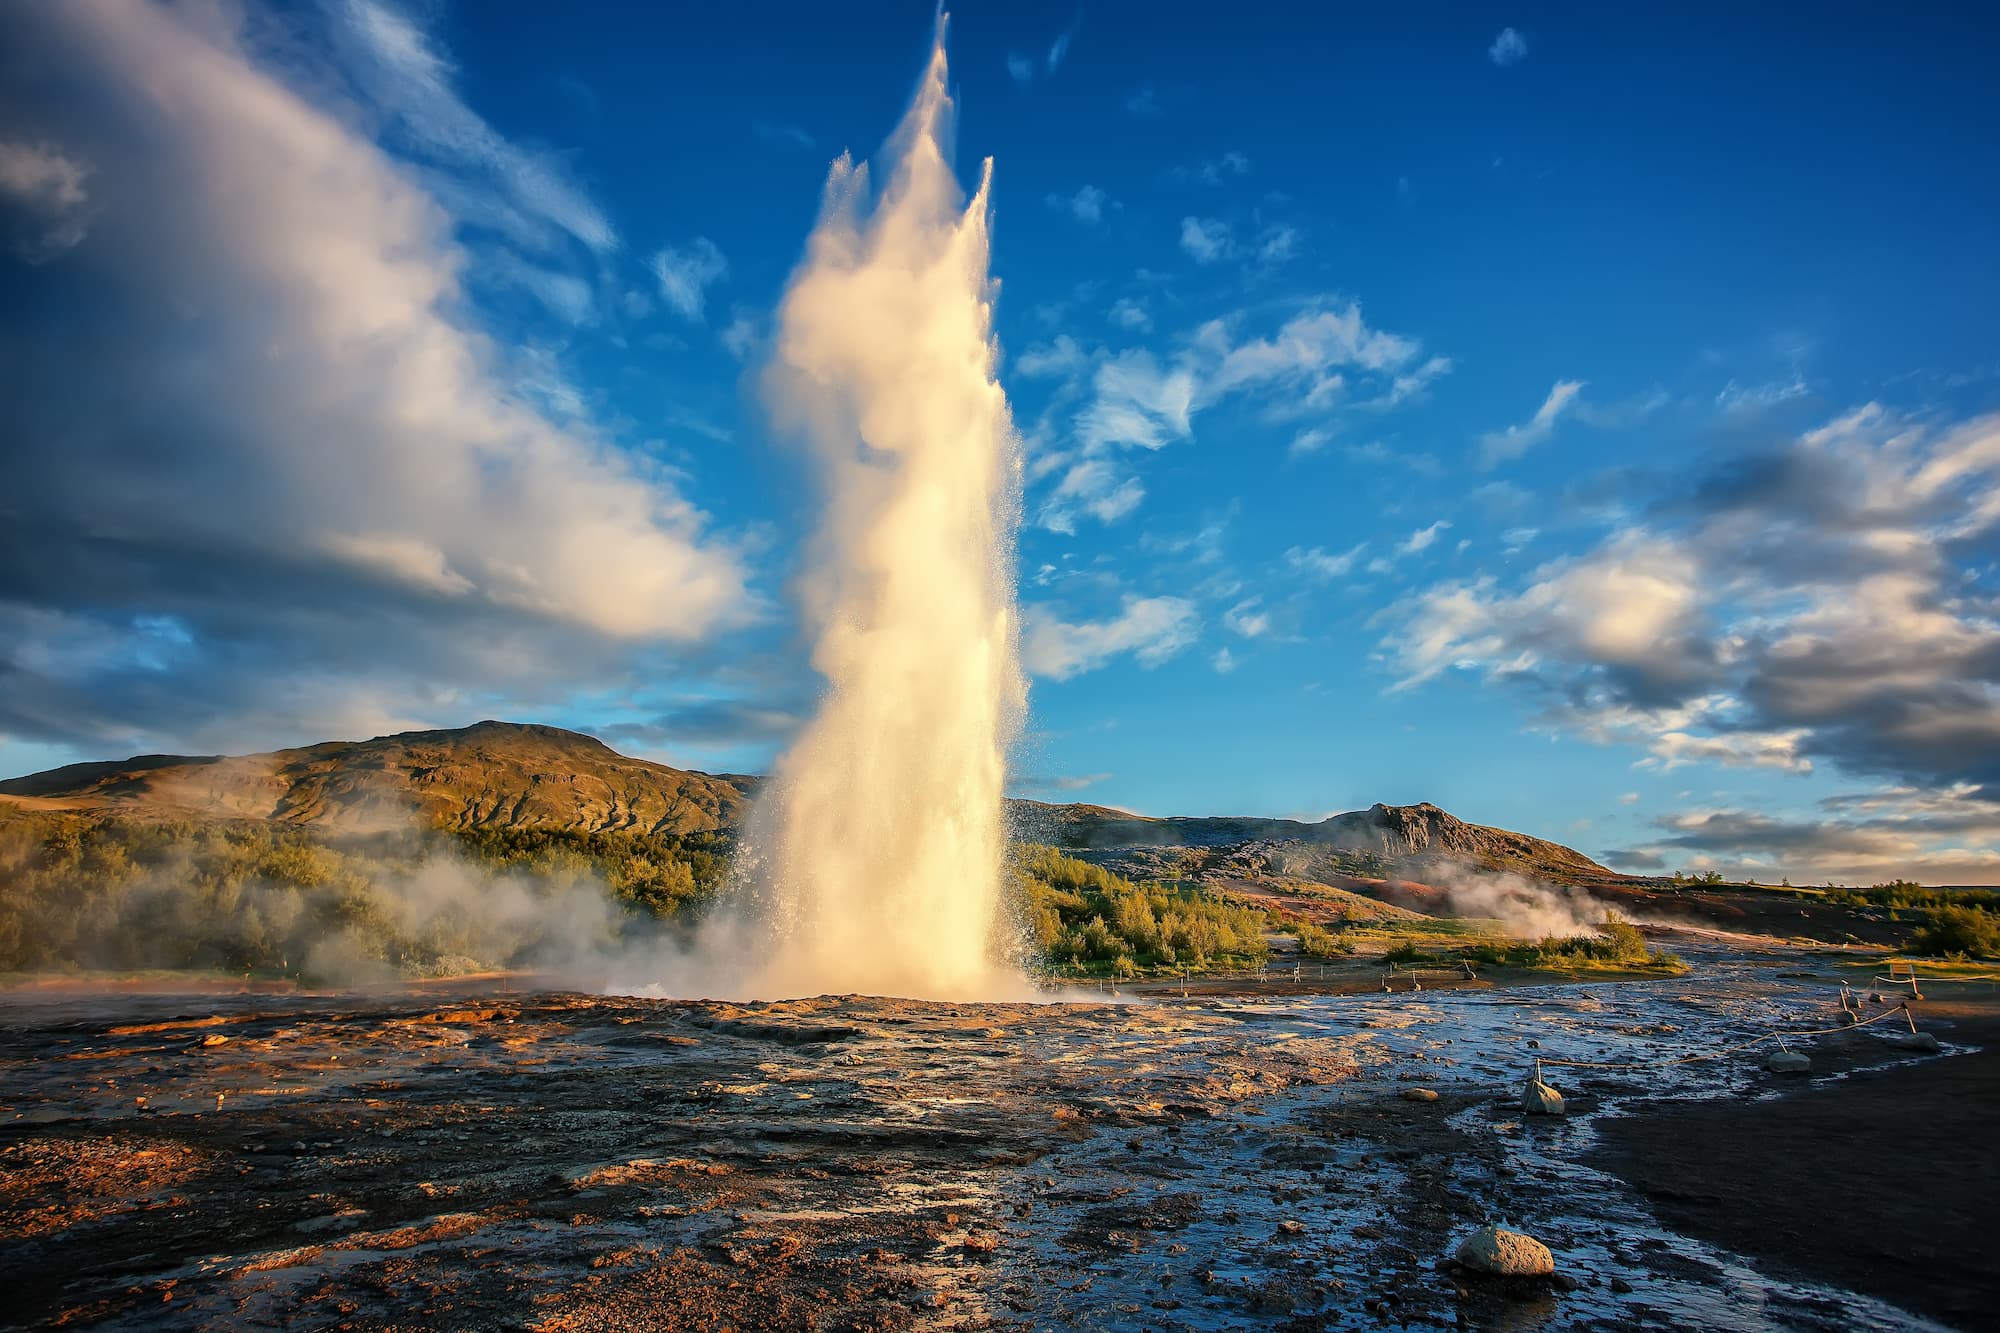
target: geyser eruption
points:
(878, 849)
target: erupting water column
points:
(878, 849)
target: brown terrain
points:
(491, 773)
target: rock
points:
(1419, 1095)
(1919, 1041)
(982, 1242)
(1787, 1062)
(1538, 1098)
(1620, 1286)
(215, 1039)
(1505, 1254)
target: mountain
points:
(1396, 835)
(489, 774)
(511, 775)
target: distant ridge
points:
(490, 774)
(517, 775)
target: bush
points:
(248, 896)
(1079, 915)
(1970, 932)
(1318, 942)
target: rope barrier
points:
(1780, 1037)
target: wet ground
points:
(560, 1161)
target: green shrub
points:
(1078, 915)
(1318, 942)
(1970, 932)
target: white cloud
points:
(1127, 313)
(1138, 401)
(1224, 661)
(1277, 244)
(1087, 205)
(1061, 357)
(358, 477)
(1821, 600)
(1747, 398)
(1206, 240)
(1733, 749)
(1246, 619)
(1021, 68)
(46, 187)
(1309, 441)
(1144, 102)
(1317, 564)
(1509, 48)
(1496, 447)
(1422, 538)
(411, 78)
(1058, 52)
(1152, 629)
(686, 275)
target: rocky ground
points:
(502, 1158)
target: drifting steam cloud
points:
(878, 850)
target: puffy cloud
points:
(1087, 205)
(1247, 620)
(686, 275)
(44, 188)
(1509, 48)
(1944, 836)
(317, 483)
(1500, 446)
(1127, 313)
(1206, 239)
(1823, 599)
(1314, 363)
(1152, 629)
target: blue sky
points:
(1577, 416)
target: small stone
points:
(1787, 1062)
(982, 1242)
(1291, 1227)
(1620, 1286)
(1505, 1254)
(1419, 1095)
(215, 1039)
(1919, 1041)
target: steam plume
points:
(878, 849)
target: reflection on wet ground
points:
(563, 1161)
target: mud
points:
(560, 1161)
